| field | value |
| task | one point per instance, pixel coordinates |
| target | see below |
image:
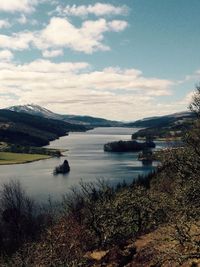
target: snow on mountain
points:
(35, 110)
(73, 119)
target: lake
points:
(87, 160)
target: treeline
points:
(15, 148)
(128, 146)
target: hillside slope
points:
(170, 126)
(160, 121)
(27, 129)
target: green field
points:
(16, 158)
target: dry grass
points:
(161, 247)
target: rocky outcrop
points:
(64, 168)
(127, 146)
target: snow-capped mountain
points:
(36, 110)
(74, 119)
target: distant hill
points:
(74, 119)
(92, 121)
(160, 121)
(26, 129)
(169, 126)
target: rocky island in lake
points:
(128, 146)
(63, 168)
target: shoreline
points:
(11, 154)
(20, 158)
(170, 139)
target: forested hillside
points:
(27, 129)
(166, 127)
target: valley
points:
(26, 129)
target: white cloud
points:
(99, 9)
(188, 98)
(88, 38)
(17, 41)
(74, 88)
(34, 22)
(6, 55)
(52, 53)
(117, 25)
(4, 24)
(22, 19)
(61, 33)
(41, 66)
(17, 5)
(195, 76)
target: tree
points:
(195, 104)
(18, 220)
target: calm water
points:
(87, 160)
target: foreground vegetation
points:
(155, 221)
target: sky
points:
(117, 59)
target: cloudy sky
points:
(118, 59)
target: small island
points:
(128, 146)
(63, 168)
